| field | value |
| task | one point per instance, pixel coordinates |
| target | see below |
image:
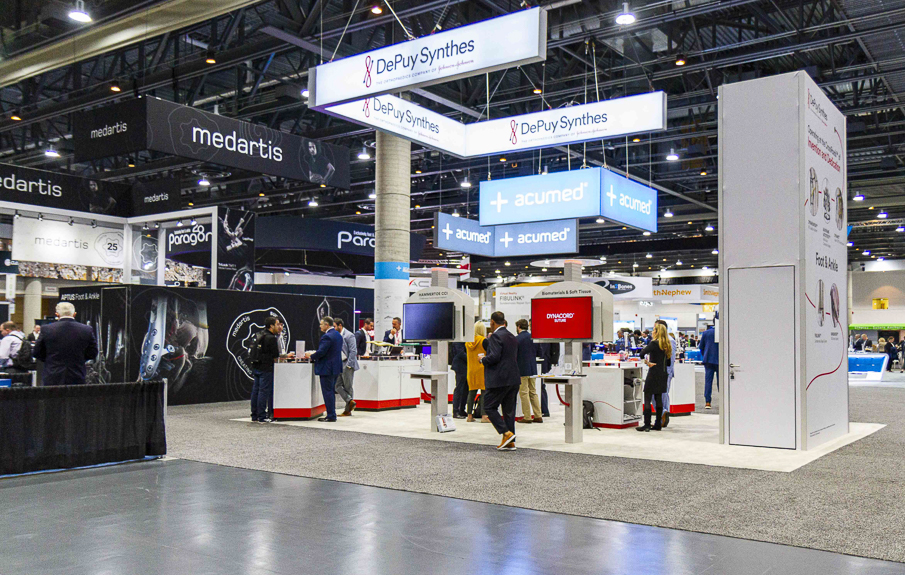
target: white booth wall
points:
(868, 285)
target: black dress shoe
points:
(656, 428)
(643, 428)
(327, 420)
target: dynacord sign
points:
(152, 124)
(468, 236)
(507, 41)
(572, 194)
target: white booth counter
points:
(616, 405)
(681, 391)
(296, 391)
(384, 383)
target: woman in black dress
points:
(658, 353)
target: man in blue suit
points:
(328, 363)
(710, 356)
(64, 347)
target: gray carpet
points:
(850, 501)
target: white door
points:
(760, 399)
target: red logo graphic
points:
(512, 138)
(562, 318)
(368, 65)
(367, 108)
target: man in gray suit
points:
(350, 366)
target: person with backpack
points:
(264, 350)
(10, 347)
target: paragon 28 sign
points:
(573, 194)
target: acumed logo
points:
(554, 196)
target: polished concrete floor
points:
(183, 517)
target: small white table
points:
(574, 423)
(439, 392)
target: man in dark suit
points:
(33, 336)
(527, 369)
(328, 363)
(362, 337)
(501, 379)
(64, 347)
(394, 334)
(710, 357)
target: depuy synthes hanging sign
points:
(152, 124)
(573, 194)
(468, 236)
(510, 40)
(606, 119)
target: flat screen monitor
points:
(562, 318)
(428, 321)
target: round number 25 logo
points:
(109, 245)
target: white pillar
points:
(31, 307)
(392, 227)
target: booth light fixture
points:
(880, 259)
(78, 13)
(357, 213)
(40, 217)
(312, 203)
(865, 253)
(71, 221)
(51, 153)
(114, 87)
(261, 195)
(131, 163)
(417, 171)
(900, 229)
(672, 156)
(372, 195)
(194, 221)
(191, 204)
(93, 223)
(179, 224)
(626, 17)
(204, 182)
(667, 213)
(648, 256)
(703, 172)
(364, 155)
(497, 272)
(455, 213)
(600, 220)
(503, 159)
(645, 233)
(210, 58)
(709, 228)
(678, 262)
(680, 60)
(156, 225)
(506, 264)
(882, 215)
(634, 265)
(715, 251)
(537, 91)
(144, 228)
(286, 273)
(465, 184)
(16, 215)
(305, 93)
(858, 198)
(376, 9)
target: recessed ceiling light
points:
(455, 213)
(417, 171)
(858, 198)
(679, 262)
(506, 263)
(600, 220)
(357, 213)
(191, 204)
(672, 156)
(502, 159)
(645, 233)
(261, 194)
(114, 87)
(543, 269)
(709, 228)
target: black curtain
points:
(59, 427)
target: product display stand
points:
(438, 374)
(574, 429)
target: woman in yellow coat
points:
(475, 351)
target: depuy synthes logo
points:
(556, 196)
(426, 58)
(560, 317)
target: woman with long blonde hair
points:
(475, 351)
(658, 353)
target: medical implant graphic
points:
(236, 250)
(821, 308)
(827, 201)
(175, 342)
(840, 209)
(243, 331)
(834, 306)
(814, 189)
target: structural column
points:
(392, 225)
(31, 305)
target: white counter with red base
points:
(682, 390)
(296, 391)
(384, 383)
(616, 405)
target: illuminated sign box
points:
(468, 236)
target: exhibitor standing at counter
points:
(328, 363)
(263, 353)
(350, 366)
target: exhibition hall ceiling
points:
(251, 63)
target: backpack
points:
(255, 352)
(24, 357)
(587, 414)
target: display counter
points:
(867, 366)
(381, 384)
(616, 392)
(296, 390)
(693, 355)
(682, 390)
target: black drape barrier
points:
(68, 426)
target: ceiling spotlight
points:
(455, 213)
(209, 57)
(705, 268)
(497, 272)
(191, 204)
(680, 60)
(900, 229)
(376, 9)
(40, 217)
(417, 171)
(131, 163)
(648, 256)
(305, 93)
(144, 228)
(156, 225)
(502, 159)
(78, 12)
(114, 87)
(625, 17)
(363, 154)
(15, 118)
(71, 221)
(600, 220)
(715, 251)
(709, 228)
(667, 214)
(634, 265)
(506, 263)
(645, 233)
(204, 182)
(312, 203)
(286, 273)
(679, 262)
(194, 221)
(865, 253)
(850, 244)
(880, 259)
(261, 195)
(672, 156)
(179, 224)
(882, 215)
(51, 153)
(858, 198)
(636, 140)
(373, 195)
(703, 172)
(536, 90)
(543, 269)
(465, 184)
(323, 185)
